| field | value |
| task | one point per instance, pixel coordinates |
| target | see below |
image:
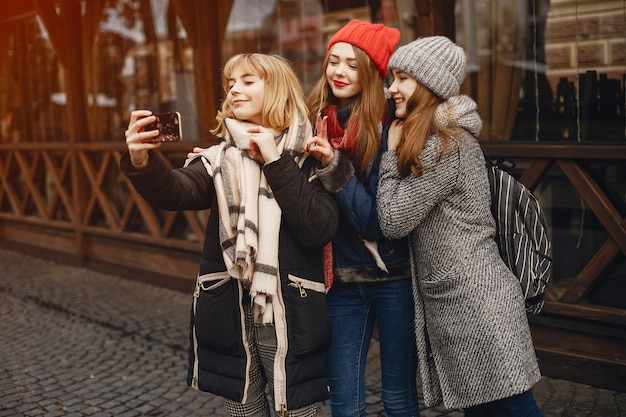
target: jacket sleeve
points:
(189, 188)
(309, 210)
(356, 200)
(404, 202)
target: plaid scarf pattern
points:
(249, 215)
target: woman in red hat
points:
(371, 274)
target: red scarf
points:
(344, 143)
(337, 135)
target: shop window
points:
(150, 62)
(133, 54)
(546, 71)
(31, 98)
(540, 70)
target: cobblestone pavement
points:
(74, 342)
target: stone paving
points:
(75, 342)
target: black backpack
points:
(521, 233)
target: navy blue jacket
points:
(358, 221)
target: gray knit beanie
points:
(435, 62)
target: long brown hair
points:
(419, 125)
(367, 109)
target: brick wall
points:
(583, 35)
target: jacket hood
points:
(461, 111)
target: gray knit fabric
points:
(435, 61)
(459, 111)
(473, 339)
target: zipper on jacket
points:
(280, 371)
(194, 379)
(305, 284)
(212, 281)
(300, 288)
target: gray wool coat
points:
(473, 338)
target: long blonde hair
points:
(419, 125)
(284, 100)
(368, 109)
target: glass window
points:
(540, 70)
(544, 70)
(31, 94)
(578, 236)
(147, 62)
(134, 55)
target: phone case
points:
(169, 126)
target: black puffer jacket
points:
(218, 358)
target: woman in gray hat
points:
(474, 343)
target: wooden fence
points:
(71, 201)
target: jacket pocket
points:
(217, 317)
(308, 321)
(439, 283)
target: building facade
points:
(548, 76)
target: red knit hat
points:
(375, 39)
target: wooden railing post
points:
(435, 17)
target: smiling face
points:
(401, 89)
(342, 72)
(246, 93)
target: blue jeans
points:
(521, 405)
(354, 308)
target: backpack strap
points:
(503, 164)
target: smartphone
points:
(169, 127)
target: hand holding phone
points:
(169, 127)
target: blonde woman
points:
(259, 315)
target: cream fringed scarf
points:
(249, 215)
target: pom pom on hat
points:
(375, 39)
(435, 62)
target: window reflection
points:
(540, 70)
(29, 79)
(577, 235)
(545, 71)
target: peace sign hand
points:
(318, 145)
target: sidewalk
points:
(74, 342)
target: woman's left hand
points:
(395, 131)
(194, 151)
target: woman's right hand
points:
(138, 140)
